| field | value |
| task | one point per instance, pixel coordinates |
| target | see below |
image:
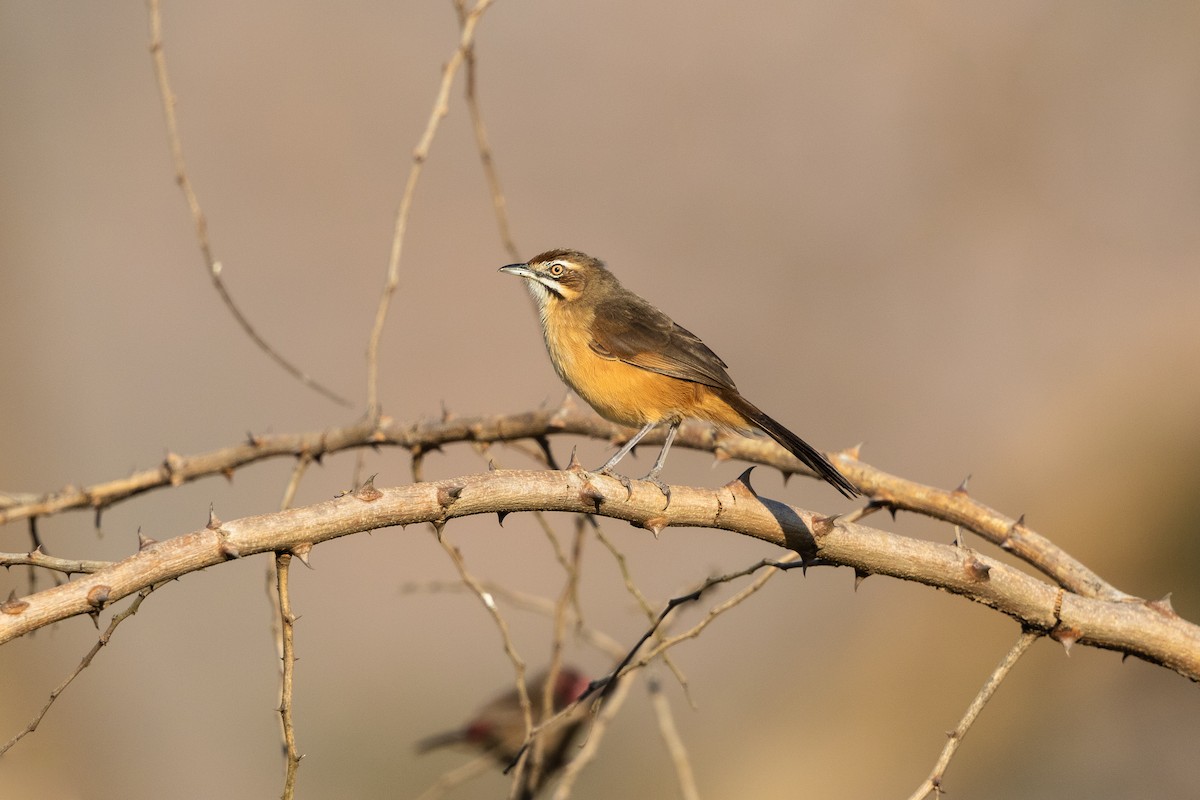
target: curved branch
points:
(886, 490)
(1151, 631)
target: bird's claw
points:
(662, 487)
(623, 480)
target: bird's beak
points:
(520, 270)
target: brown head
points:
(563, 276)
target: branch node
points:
(1163, 605)
(13, 605)
(227, 548)
(367, 492)
(1066, 636)
(301, 552)
(823, 526)
(588, 493)
(172, 463)
(654, 524)
(976, 569)
(98, 595)
(446, 495)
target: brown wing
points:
(631, 330)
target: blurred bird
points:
(498, 728)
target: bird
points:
(637, 367)
(498, 728)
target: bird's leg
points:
(607, 469)
(659, 462)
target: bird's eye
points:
(556, 270)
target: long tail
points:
(792, 443)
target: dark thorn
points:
(213, 521)
(962, 487)
(500, 515)
(144, 541)
(741, 484)
(439, 525)
(859, 577)
(588, 493)
(544, 444)
(574, 464)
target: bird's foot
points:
(624, 481)
(662, 487)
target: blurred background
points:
(965, 235)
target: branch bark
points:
(1148, 630)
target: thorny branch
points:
(84, 664)
(283, 563)
(954, 738)
(440, 108)
(185, 185)
(885, 491)
(1148, 630)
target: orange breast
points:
(623, 393)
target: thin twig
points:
(87, 660)
(567, 600)
(510, 648)
(528, 602)
(595, 735)
(670, 736)
(485, 148)
(287, 622)
(283, 632)
(185, 184)
(420, 154)
(454, 778)
(770, 569)
(642, 601)
(934, 782)
(39, 559)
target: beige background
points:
(965, 235)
